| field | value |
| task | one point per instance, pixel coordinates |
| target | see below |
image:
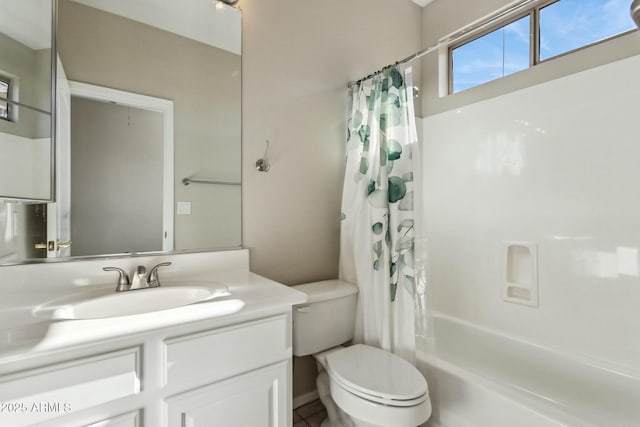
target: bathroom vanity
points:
(73, 352)
(225, 361)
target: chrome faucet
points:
(140, 278)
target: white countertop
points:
(251, 297)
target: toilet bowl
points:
(360, 385)
(375, 388)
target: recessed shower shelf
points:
(520, 283)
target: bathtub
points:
(481, 378)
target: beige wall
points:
(297, 59)
(443, 17)
(204, 83)
(42, 88)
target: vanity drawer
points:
(256, 399)
(60, 389)
(209, 356)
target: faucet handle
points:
(123, 278)
(154, 279)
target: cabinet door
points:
(131, 419)
(257, 399)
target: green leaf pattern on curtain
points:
(378, 133)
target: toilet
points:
(360, 385)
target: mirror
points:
(148, 95)
(25, 99)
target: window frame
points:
(486, 31)
(534, 41)
(6, 100)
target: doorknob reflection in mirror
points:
(47, 245)
(60, 244)
(52, 246)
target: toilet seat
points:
(379, 399)
(377, 376)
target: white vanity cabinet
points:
(256, 399)
(255, 355)
(198, 374)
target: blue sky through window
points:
(570, 24)
(564, 26)
(497, 54)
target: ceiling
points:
(219, 29)
(23, 21)
(422, 2)
(196, 19)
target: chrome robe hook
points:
(262, 165)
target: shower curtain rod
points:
(477, 25)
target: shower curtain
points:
(378, 227)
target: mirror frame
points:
(54, 101)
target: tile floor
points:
(310, 415)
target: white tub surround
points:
(486, 378)
(205, 361)
(533, 224)
(553, 166)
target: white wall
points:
(555, 164)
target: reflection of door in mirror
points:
(59, 213)
(121, 171)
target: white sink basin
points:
(115, 304)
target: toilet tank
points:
(327, 319)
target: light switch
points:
(184, 208)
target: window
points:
(4, 94)
(568, 25)
(501, 52)
(541, 33)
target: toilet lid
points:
(378, 375)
